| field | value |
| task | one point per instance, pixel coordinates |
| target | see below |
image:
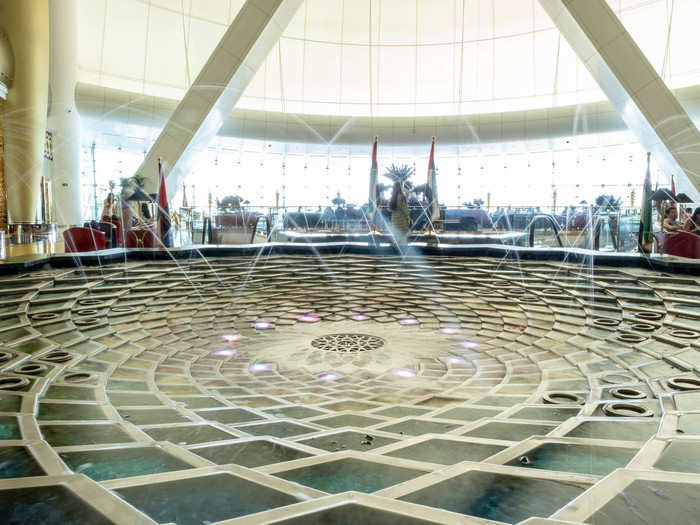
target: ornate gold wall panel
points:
(26, 105)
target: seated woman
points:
(692, 224)
(670, 223)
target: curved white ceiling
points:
(379, 58)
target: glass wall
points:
(510, 174)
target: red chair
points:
(141, 239)
(83, 240)
(682, 244)
(118, 224)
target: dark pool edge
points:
(575, 256)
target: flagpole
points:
(432, 184)
(645, 228)
(372, 208)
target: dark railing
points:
(547, 219)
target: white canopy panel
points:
(380, 57)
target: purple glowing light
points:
(469, 344)
(232, 338)
(454, 360)
(408, 321)
(263, 325)
(308, 318)
(227, 352)
(359, 317)
(448, 331)
(404, 372)
(329, 376)
(260, 367)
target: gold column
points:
(26, 106)
(3, 191)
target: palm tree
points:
(400, 174)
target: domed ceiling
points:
(380, 58)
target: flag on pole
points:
(645, 228)
(673, 190)
(431, 187)
(163, 212)
(373, 181)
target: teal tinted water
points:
(349, 474)
(250, 453)
(17, 462)
(498, 497)
(279, 429)
(417, 427)
(348, 440)
(75, 393)
(70, 435)
(680, 456)
(153, 416)
(446, 452)
(195, 501)
(630, 431)
(101, 465)
(354, 514)
(583, 459)
(188, 435)
(645, 502)
(545, 414)
(53, 505)
(65, 411)
(509, 431)
(9, 428)
(10, 403)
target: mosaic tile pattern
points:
(351, 389)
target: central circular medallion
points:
(348, 342)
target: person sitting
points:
(692, 224)
(670, 223)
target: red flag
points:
(431, 187)
(373, 180)
(673, 189)
(163, 215)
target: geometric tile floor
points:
(349, 389)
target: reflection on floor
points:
(34, 248)
(349, 389)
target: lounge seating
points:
(83, 240)
(680, 244)
(141, 239)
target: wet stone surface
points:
(349, 373)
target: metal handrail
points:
(555, 227)
(255, 228)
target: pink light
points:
(228, 352)
(329, 376)
(404, 372)
(448, 331)
(408, 321)
(359, 317)
(454, 360)
(232, 338)
(259, 367)
(308, 318)
(469, 344)
(263, 325)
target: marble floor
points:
(349, 389)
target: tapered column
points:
(64, 121)
(213, 95)
(634, 88)
(26, 23)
